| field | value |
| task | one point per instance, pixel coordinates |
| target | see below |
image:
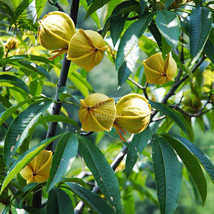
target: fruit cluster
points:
(99, 113)
(85, 47)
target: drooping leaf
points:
(116, 27)
(13, 80)
(200, 26)
(102, 172)
(136, 147)
(209, 46)
(123, 74)
(59, 202)
(174, 115)
(191, 163)
(204, 160)
(66, 150)
(7, 113)
(38, 69)
(131, 37)
(94, 201)
(169, 26)
(19, 128)
(24, 159)
(168, 174)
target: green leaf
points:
(33, 58)
(200, 26)
(155, 33)
(136, 148)
(38, 69)
(59, 202)
(14, 81)
(116, 27)
(143, 4)
(19, 128)
(169, 26)
(131, 37)
(168, 3)
(1, 49)
(209, 46)
(7, 113)
(57, 118)
(95, 6)
(24, 159)
(168, 174)
(94, 201)
(103, 173)
(191, 163)
(205, 162)
(66, 150)
(123, 74)
(174, 115)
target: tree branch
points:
(37, 199)
(179, 82)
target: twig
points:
(158, 119)
(140, 86)
(178, 83)
(56, 5)
(198, 114)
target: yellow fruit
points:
(86, 49)
(158, 71)
(12, 43)
(133, 113)
(38, 170)
(191, 103)
(56, 30)
(97, 112)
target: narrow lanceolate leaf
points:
(66, 151)
(123, 73)
(24, 159)
(169, 26)
(7, 113)
(57, 118)
(204, 160)
(168, 174)
(102, 172)
(136, 147)
(14, 81)
(95, 202)
(200, 26)
(59, 202)
(174, 115)
(18, 131)
(131, 37)
(95, 6)
(191, 163)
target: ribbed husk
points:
(97, 112)
(133, 113)
(56, 30)
(86, 49)
(38, 170)
(158, 71)
(12, 43)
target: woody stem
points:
(37, 200)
